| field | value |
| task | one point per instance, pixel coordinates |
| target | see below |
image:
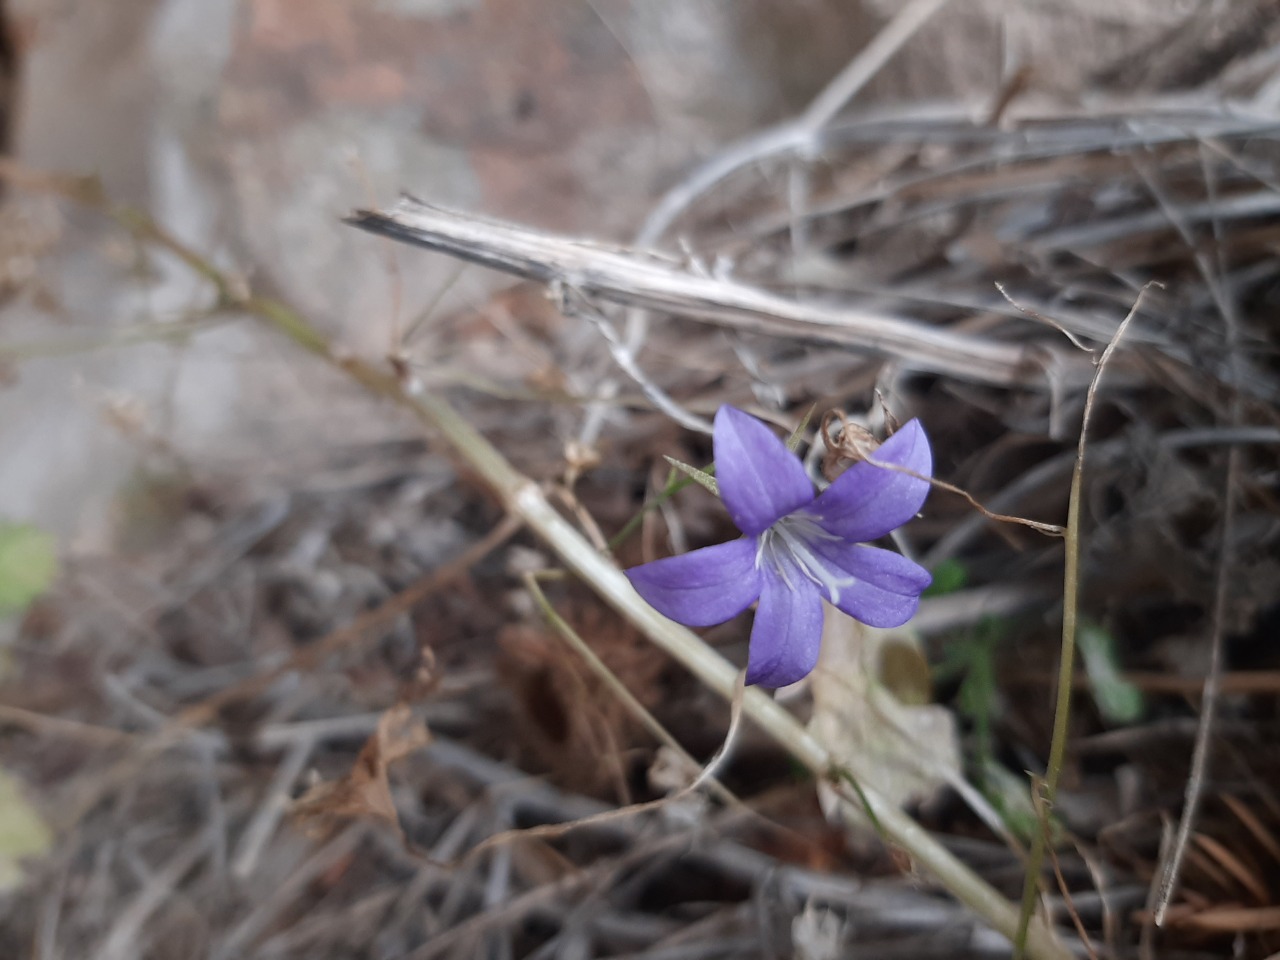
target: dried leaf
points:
(851, 444)
(871, 708)
(365, 792)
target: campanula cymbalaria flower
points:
(797, 549)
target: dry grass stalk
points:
(646, 281)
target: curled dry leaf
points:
(871, 709)
(849, 444)
(365, 792)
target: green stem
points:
(1062, 709)
(177, 330)
(1066, 665)
(675, 483)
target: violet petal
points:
(788, 630)
(701, 587)
(760, 479)
(866, 501)
(885, 586)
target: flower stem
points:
(1066, 663)
(1048, 788)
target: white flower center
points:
(788, 545)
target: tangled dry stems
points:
(775, 306)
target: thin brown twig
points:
(1194, 793)
(1264, 837)
(123, 940)
(401, 603)
(1039, 802)
(1070, 904)
(43, 723)
(1211, 692)
(448, 942)
(1048, 529)
(1231, 681)
(1043, 318)
(1110, 924)
(207, 710)
(1060, 465)
(597, 666)
(706, 772)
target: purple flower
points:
(798, 549)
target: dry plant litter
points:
(294, 723)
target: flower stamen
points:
(788, 544)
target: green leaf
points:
(971, 658)
(1118, 700)
(948, 577)
(23, 833)
(675, 484)
(700, 477)
(1008, 793)
(797, 435)
(704, 478)
(28, 564)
